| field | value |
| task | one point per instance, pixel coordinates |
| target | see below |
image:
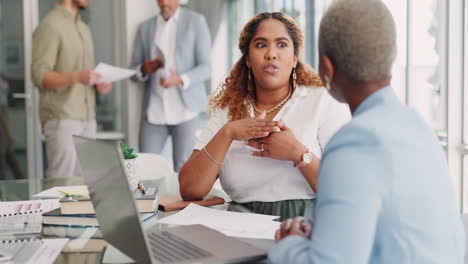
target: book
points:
(81, 231)
(175, 202)
(54, 217)
(83, 245)
(73, 205)
(59, 191)
(71, 231)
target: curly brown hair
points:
(235, 93)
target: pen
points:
(141, 187)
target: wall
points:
(136, 11)
(11, 39)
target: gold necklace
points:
(275, 107)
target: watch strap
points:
(303, 163)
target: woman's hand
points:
(282, 145)
(250, 128)
(295, 226)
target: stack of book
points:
(76, 219)
(146, 202)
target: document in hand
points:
(112, 74)
(229, 223)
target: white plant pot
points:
(131, 167)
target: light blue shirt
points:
(384, 194)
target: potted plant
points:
(130, 165)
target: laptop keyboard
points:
(21, 251)
(167, 247)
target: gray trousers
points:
(154, 137)
(61, 155)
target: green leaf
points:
(127, 152)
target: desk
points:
(24, 189)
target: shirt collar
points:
(174, 17)
(67, 14)
(377, 97)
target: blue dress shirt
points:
(384, 194)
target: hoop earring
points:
(294, 76)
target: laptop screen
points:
(103, 171)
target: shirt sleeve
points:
(185, 81)
(139, 74)
(348, 205)
(217, 120)
(45, 47)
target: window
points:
(427, 62)
(427, 72)
(418, 75)
(464, 146)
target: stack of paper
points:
(31, 251)
(24, 217)
(24, 207)
(229, 223)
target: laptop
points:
(103, 171)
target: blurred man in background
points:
(172, 56)
(62, 63)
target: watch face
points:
(307, 158)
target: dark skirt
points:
(285, 209)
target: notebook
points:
(175, 202)
(23, 217)
(146, 203)
(57, 192)
(54, 217)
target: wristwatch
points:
(306, 159)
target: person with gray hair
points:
(384, 190)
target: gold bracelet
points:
(213, 159)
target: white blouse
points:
(312, 114)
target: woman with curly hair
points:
(270, 122)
